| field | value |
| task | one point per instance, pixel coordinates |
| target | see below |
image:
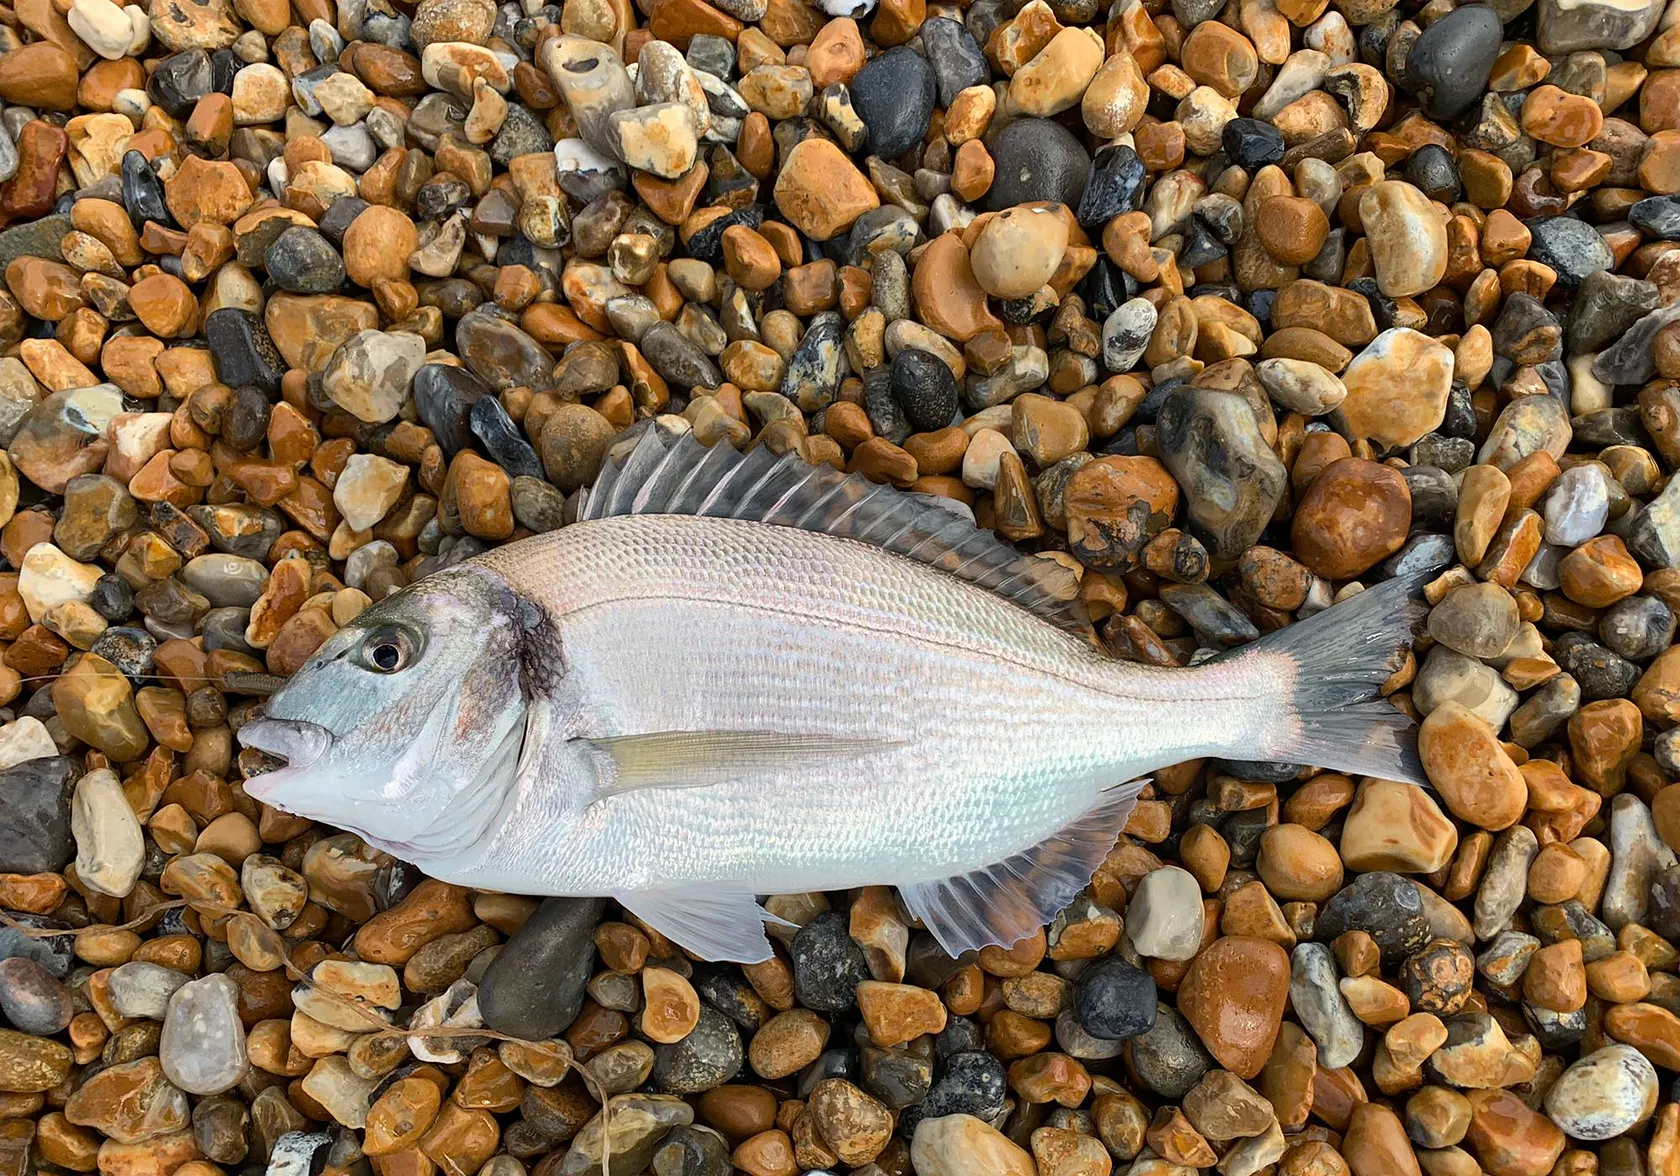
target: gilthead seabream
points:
(738, 675)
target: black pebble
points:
(142, 191)
(1657, 217)
(1115, 1001)
(1036, 159)
(502, 439)
(969, 1083)
(35, 815)
(180, 81)
(894, 96)
(243, 351)
(1570, 246)
(1449, 64)
(1385, 906)
(534, 988)
(303, 261)
(443, 394)
(1251, 143)
(1637, 628)
(828, 965)
(113, 598)
(1431, 170)
(704, 1060)
(955, 55)
(924, 387)
(1115, 186)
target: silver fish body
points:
(686, 712)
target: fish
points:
(737, 675)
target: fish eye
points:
(387, 650)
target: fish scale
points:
(740, 675)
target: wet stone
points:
(32, 999)
(1448, 65)
(444, 395)
(707, 1058)
(894, 95)
(35, 816)
(1036, 159)
(535, 986)
(1385, 906)
(303, 261)
(1571, 247)
(828, 965)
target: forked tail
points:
(1328, 669)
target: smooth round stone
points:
(705, 1059)
(141, 989)
(227, 581)
(1431, 171)
(1385, 906)
(32, 999)
(501, 354)
(1577, 506)
(1233, 996)
(828, 965)
(1320, 1007)
(1449, 64)
(1637, 628)
(1116, 1001)
(1169, 1058)
(971, 1082)
(1570, 246)
(1477, 620)
(1126, 333)
(202, 1047)
(894, 96)
(1164, 918)
(1250, 143)
(924, 388)
(535, 986)
(1036, 159)
(1407, 240)
(304, 262)
(1604, 1094)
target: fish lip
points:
(299, 742)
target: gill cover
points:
(406, 725)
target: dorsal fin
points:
(655, 474)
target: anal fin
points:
(715, 923)
(1003, 903)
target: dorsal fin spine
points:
(658, 473)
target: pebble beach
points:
(1231, 309)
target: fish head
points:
(406, 725)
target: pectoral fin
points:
(715, 923)
(1001, 904)
(694, 759)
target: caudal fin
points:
(1333, 664)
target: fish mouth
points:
(299, 743)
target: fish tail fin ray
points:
(1003, 903)
(1333, 665)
